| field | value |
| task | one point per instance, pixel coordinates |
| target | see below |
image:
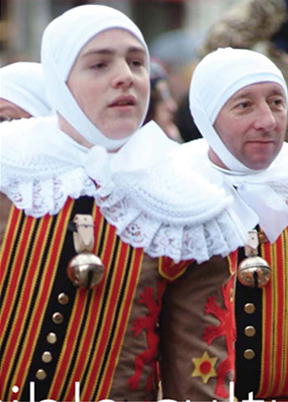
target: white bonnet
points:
(22, 83)
(62, 41)
(216, 78)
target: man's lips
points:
(259, 141)
(123, 101)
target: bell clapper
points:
(253, 271)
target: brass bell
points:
(85, 270)
(254, 272)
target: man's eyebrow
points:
(93, 52)
(240, 96)
(110, 51)
(247, 93)
(278, 92)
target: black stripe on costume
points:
(62, 283)
(247, 371)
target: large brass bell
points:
(85, 270)
(254, 272)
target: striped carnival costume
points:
(57, 337)
(244, 153)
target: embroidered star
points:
(204, 367)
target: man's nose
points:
(265, 118)
(123, 75)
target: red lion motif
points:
(148, 323)
(226, 318)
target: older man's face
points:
(252, 124)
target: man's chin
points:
(120, 134)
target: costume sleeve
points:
(246, 24)
(197, 332)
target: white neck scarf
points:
(217, 77)
(62, 41)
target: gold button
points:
(249, 354)
(46, 357)
(250, 331)
(51, 338)
(249, 308)
(41, 375)
(63, 298)
(57, 318)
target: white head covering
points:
(22, 83)
(62, 41)
(216, 78)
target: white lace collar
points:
(153, 203)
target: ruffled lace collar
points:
(154, 203)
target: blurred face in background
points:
(165, 109)
(10, 111)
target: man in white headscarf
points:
(22, 95)
(72, 322)
(238, 99)
(22, 91)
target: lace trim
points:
(168, 211)
(41, 197)
(146, 229)
(218, 236)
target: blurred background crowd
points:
(178, 32)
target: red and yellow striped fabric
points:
(274, 359)
(31, 258)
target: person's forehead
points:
(7, 106)
(112, 37)
(267, 88)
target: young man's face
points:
(110, 82)
(252, 124)
(10, 111)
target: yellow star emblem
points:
(204, 367)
